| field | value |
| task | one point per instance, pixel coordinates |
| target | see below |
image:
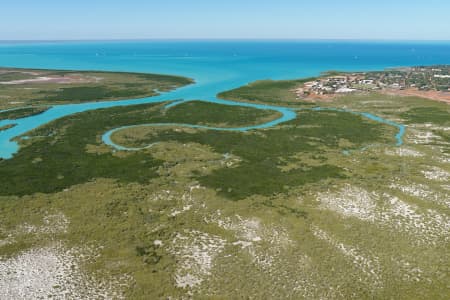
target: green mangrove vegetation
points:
(267, 91)
(21, 112)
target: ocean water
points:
(221, 65)
(215, 65)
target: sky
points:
(224, 19)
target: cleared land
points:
(271, 214)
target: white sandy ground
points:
(368, 264)
(52, 272)
(22, 81)
(417, 135)
(404, 152)
(351, 202)
(424, 135)
(409, 272)
(435, 173)
(425, 225)
(54, 223)
(421, 191)
(445, 158)
(46, 79)
(188, 200)
(386, 210)
(195, 252)
(431, 126)
(268, 246)
(250, 234)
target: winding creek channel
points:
(9, 146)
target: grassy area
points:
(423, 115)
(93, 93)
(80, 86)
(12, 75)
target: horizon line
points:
(225, 39)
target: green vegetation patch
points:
(312, 133)
(6, 127)
(63, 160)
(55, 157)
(198, 112)
(422, 115)
(267, 91)
(21, 113)
(14, 75)
(264, 153)
(91, 94)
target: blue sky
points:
(260, 19)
